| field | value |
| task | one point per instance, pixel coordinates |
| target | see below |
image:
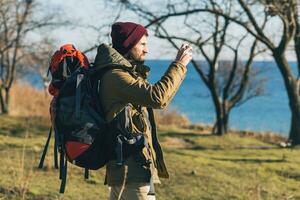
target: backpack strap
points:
(55, 149)
(63, 170)
(41, 164)
(78, 95)
(119, 150)
(86, 173)
(65, 72)
(42, 160)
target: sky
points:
(95, 12)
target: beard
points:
(136, 59)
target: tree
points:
(286, 12)
(36, 59)
(228, 82)
(253, 15)
(17, 22)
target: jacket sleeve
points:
(140, 92)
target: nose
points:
(146, 49)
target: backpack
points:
(80, 130)
(85, 138)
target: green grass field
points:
(202, 166)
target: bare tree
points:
(287, 13)
(231, 85)
(36, 60)
(17, 21)
(249, 14)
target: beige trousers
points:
(131, 191)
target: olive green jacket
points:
(124, 85)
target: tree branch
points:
(196, 66)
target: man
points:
(126, 94)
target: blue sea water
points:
(267, 113)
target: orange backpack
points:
(63, 63)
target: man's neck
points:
(139, 67)
(132, 61)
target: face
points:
(139, 51)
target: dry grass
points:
(267, 137)
(171, 117)
(29, 101)
(203, 128)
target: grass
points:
(241, 165)
(202, 166)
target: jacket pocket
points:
(131, 121)
(139, 121)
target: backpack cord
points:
(57, 143)
(86, 173)
(41, 164)
(48, 71)
(63, 171)
(64, 177)
(55, 153)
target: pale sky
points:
(94, 12)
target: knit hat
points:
(126, 35)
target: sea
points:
(267, 113)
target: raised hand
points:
(184, 54)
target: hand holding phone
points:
(184, 54)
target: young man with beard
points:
(125, 93)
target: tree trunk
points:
(293, 96)
(294, 102)
(7, 98)
(294, 136)
(3, 101)
(226, 119)
(220, 127)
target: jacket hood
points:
(108, 56)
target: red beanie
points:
(126, 35)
